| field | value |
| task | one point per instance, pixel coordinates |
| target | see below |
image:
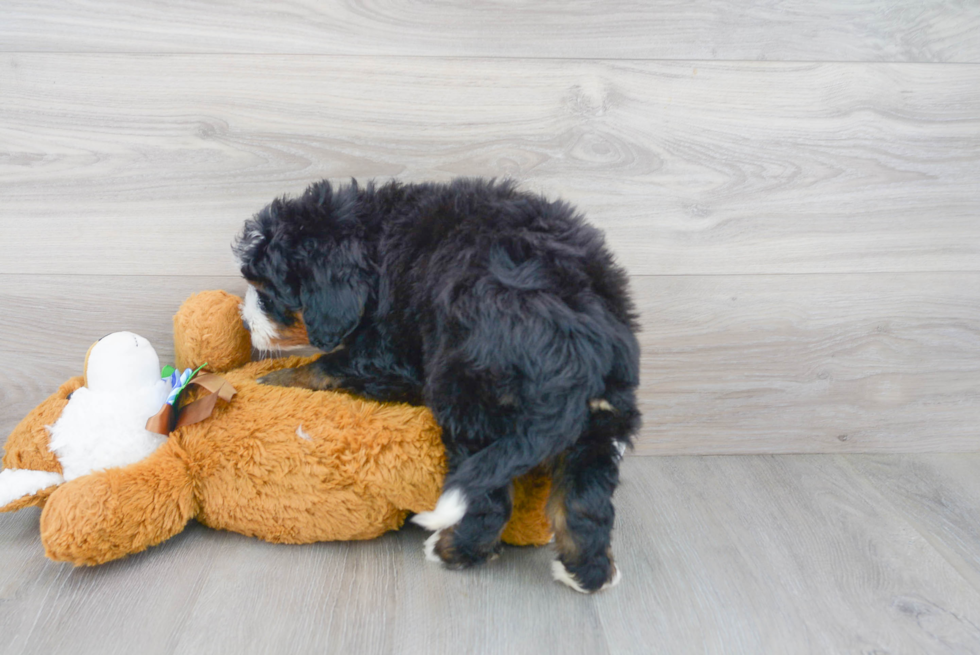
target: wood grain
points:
(787, 554)
(48, 323)
(810, 363)
(48, 317)
(835, 30)
(382, 597)
(804, 235)
(139, 604)
(730, 364)
(936, 493)
(142, 165)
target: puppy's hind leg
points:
(476, 502)
(582, 513)
(476, 537)
(580, 506)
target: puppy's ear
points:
(264, 250)
(334, 299)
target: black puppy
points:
(501, 311)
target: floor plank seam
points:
(400, 57)
(955, 561)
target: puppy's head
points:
(308, 271)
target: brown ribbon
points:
(163, 421)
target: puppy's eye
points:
(274, 310)
(68, 397)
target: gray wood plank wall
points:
(792, 30)
(793, 186)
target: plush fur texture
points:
(360, 469)
(19, 483)
(205, 330)
(501, 311)
(103, 425)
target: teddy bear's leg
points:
(110, 514)
(529, 524)
(208, 329)
(20, 488)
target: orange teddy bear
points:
(286, 465)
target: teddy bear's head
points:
(121, 361)
(93, 422)
(208, 329)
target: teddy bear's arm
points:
(113, 513)
(23, 485)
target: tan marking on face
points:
(294, 336)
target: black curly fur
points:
(500, 310)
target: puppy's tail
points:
(508, 458)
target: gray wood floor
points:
(751, 554)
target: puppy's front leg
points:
(309, 376)
(363, 376)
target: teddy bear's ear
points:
(20, 488)
(208, 330)
(85, 368)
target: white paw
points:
(561, 574)
(617, 576)
(620, 450)
(430, 547)
(449, 511)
